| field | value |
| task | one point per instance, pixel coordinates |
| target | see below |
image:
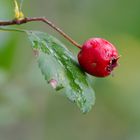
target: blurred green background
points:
(31, 110)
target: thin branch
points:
(42, 19)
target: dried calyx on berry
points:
(98, 57)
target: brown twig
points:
(42, 19)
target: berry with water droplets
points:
(98, 57)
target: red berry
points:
(98, 57)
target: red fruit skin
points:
(98, 57)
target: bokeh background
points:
(31, 110)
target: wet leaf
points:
(61, 69)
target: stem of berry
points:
(42, 19)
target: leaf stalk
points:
(40, 19)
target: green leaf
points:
(61, 69)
